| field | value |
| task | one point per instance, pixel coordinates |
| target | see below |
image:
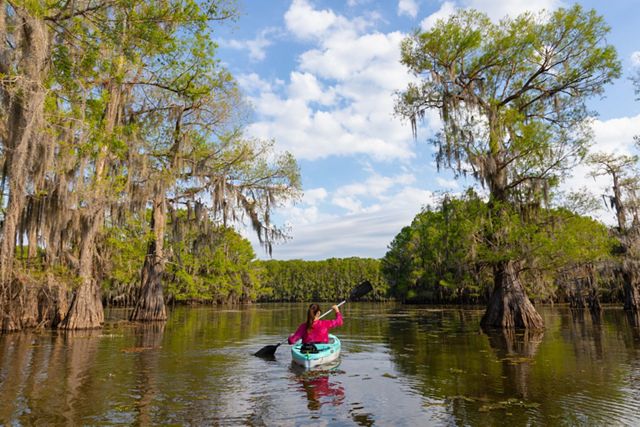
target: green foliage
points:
(205, 263)
(327, 280)
(123, 250)
(443, 255)
(216, 265)
(439, 257)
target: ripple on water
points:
(602, 410)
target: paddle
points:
(358, 292)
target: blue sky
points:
(320, 76)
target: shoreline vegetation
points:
(125, 166)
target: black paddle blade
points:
(361, 290)
(267, 351)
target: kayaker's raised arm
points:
(337, 321)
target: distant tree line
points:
(327, 280)
(219, 266)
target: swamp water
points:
(400, 366)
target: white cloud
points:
(408, 7)
(351, 54)
(449, 184)
(615, 135)
(635, 58)
(495, 9)
(340, 99)
(354, 3)
(351, 204)
(447, 9)
(314, 195)
(305, 22)
(377, 189)
(364, 234)
(253, 83)
(256, 47)
(305, 86)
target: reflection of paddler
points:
(318, 387)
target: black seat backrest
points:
(309, 348)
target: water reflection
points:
(516, 351)
(47, 377)
(400, 365)
(16, 356)
(634, 318)
(320, 386)
(148, 338)
(81, 350)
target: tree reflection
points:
(15, 352)
(634, 318)
(148, 339)
(81, 350)
(48, 376)
(516, 350)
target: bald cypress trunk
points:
(86, 311)
(150, 304)
(509, 306)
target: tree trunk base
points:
(509, 306)
(86, 310)
(150, 306)
(149, 309)
(28, 305)
(20, 309)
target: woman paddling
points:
(315, 330)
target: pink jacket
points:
(319, 332)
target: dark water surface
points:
(400, 366)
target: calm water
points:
(401, 365)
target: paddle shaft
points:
(332, 309)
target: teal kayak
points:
(325, 353)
